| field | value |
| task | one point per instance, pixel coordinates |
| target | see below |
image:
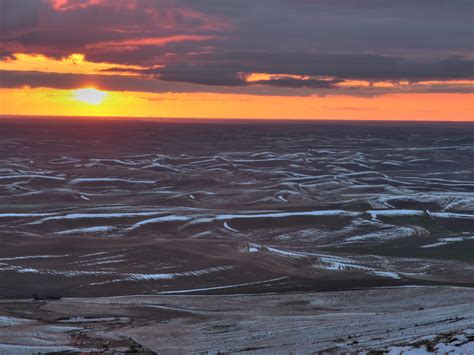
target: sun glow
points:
(57, 102)
(90, 96)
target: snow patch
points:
(226, 225)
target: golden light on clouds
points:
(75, 63)
(253, 77)
(89, 96)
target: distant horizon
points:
(226, 119)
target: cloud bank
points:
(303, 47)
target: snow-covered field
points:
(223, 236)
(402, 320)
(140, 208)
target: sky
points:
(302, 59)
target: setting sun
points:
(90, 96)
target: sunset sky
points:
(308, 59)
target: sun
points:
(90, 96)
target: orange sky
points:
(456, 107)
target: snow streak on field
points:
(86, 208)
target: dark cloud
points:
(288, 82)
(368, 26)
(47, 27)
(223, 69)
(271, 87)
(216, 43)
(18, 15)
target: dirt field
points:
(358, 320)
(202, 219)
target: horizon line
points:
(228, 119)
